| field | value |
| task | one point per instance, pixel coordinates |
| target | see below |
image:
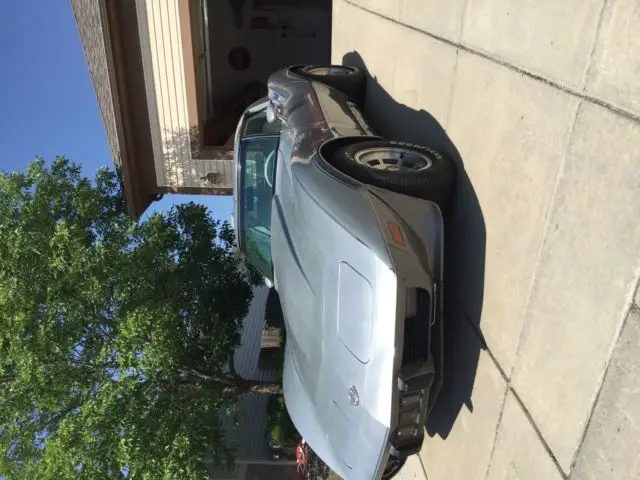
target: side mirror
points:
(268, 283)
(271, 113)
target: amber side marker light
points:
(396, 233)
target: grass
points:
(280, 428)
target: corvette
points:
(348, 228)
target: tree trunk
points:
(256, 386)
(231, 381)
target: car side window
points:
(258, 248)
(257, 157)
(257, 125)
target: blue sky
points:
(46, 97)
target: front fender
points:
(345, 202)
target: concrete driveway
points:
(539, 103)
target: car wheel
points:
(349, 80)
(394, 465)
(405, 168)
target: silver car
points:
(348, 228)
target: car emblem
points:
(353, 396)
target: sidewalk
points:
(541, 101)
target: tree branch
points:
(60, 415)
(4, 379)
(232, 367)
(231, 382)
(188, 373)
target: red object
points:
(301, 457)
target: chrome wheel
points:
(393, 160)
(329, 71)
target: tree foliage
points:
(115, 335)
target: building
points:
(173, 76)
(253, 456)
(250, 436)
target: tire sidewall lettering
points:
(421, 148)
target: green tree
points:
(115, 335)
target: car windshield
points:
(257, 159)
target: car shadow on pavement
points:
(465, 238)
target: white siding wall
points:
(163, 65)
(221, 169)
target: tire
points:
(417, 171)
(392, 470)
(349, 80)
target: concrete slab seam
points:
(452, 91)
(553, 84)
(538, 433)
(547, 225)
(473, 325)
(594, 401)
(463, 19)
(594, 45)
(510, 388)
(496, 364)
(424, 470)
(495, 434)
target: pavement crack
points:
(594, 45)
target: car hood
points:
(338, 293)
(347, 438)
